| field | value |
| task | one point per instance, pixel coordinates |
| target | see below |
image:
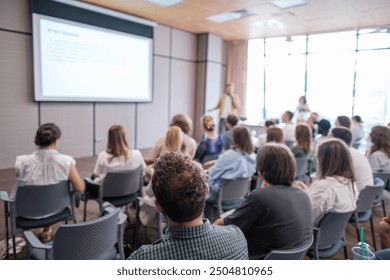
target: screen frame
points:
(81, 16)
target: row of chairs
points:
(329, 235)
(37, 201)
(38, 206)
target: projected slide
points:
(80, 63)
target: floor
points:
(85, 167)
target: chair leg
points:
(85, 209)
(6, 227)
(384, 207)
(345, 252)
(373, 232)
(14, 245)
(136, 224)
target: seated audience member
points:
(302, 148)
(361, 165)
(227, 136)
(289, 127)
(116, 157)
(343, 121)
(238, 162)
(189, 144)
(279, 215)
(335, 190)
(303, 141)
(180, 188)
(212, 144)
(357, 131)
(47, 166)
(275, 135)
(312, 123)
(263, 137)
(323, 127)
(384, 232)
(379, 152)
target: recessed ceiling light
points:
(166, 3)
(224, 17)
(285, 4)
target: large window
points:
(330, 74)
(345, 73)
(284, 74)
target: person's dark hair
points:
(232, 119)
(276, 164)
(208, 123)
(303, 137)
(289, 114)
(343, 133)
(47, 134)
(380, 138)
(117, 144)
(183, 122)
(323, 127)
(344, 121)
(334, 159)
(357, 119)
(242, 139)
(269, 123)
(179, 185)
(303, 98)
(275, 134)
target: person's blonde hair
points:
(208, 123)
(174, 139)
(117, 144)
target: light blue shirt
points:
(232, 164)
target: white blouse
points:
(332, 194)
(103, 166)
(43, 167)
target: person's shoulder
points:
(142, 253)
(231, 231)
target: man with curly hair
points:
(180, 187)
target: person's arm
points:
(75, 179)
(216, 106)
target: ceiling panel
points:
(317, 16)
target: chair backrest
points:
(385, 176)
(368, 195)
(289, 143)
(233, 190)
(297, 253)
(332, 228)
(122, 183)
(209, 157)
(33, 201)
(301, 163)
(91, 240)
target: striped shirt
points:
(204, 242)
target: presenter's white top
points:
(103, 166)
(227, 106)
(43, 167)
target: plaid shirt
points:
(204, 242)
